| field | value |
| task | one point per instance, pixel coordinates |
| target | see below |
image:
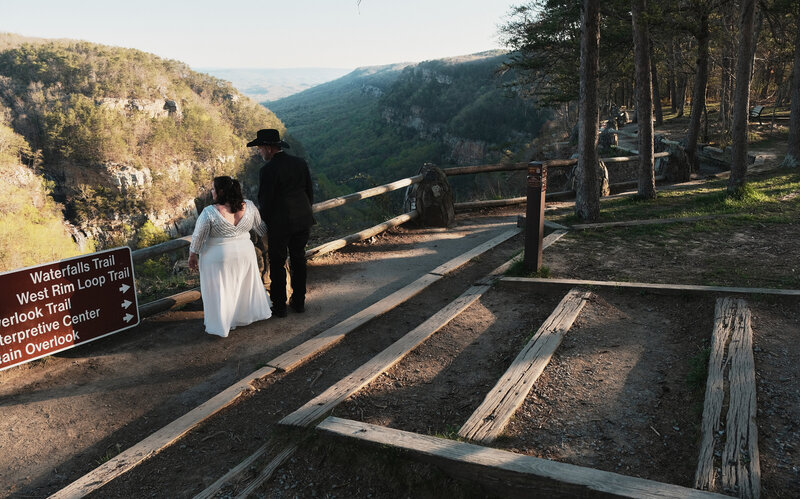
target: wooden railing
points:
(162, 304)
(552, 163)
(143, 254)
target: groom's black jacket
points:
(285, 194)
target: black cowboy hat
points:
(268, 137)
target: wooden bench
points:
(755, 113)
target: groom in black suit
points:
(285, 196)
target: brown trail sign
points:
(59, 305)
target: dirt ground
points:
(617, 396)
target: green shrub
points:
(149, 235)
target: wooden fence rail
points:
(141, 255)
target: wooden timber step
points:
(500, 404)
(320, 405)
(730, 367)
(507, 473)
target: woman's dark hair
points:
(229, 192)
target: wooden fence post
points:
(534, 214)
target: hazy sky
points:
(268, 33)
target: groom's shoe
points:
(297, 306)
(279, 312)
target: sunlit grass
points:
(770, 199)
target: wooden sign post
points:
(534, 215)
(59, 305)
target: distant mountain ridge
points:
(382, 123)
(269, 84)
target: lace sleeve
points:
(201, 230)
(258, 225)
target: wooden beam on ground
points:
(457, 262)
(555, 226)
(554, 236)
(518, 475)
(151, 445)
(233, 473)
(316, 408)
(651, 221)
(651, 287)
(491, 417)
(740, 458)
(705, 475)
(730, 367)
(267, 472)
(547, 223)
(360, 236)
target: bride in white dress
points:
(230, 283)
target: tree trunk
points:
(682, 84)
(644, 101)
(727, 81)
(792, 158)
(673, 80)
(656, 93)
(741, 101)
(699, 92)
(724, 101)
(780, 90)
(587, 192)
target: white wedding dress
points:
(230, 283)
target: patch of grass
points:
(774, 197)
(450, 433)
(518, 269)
(110, 453)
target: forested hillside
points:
(380, 124)
(119, 136)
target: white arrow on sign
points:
(128, 317)
(124, 288)
(126, 304)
